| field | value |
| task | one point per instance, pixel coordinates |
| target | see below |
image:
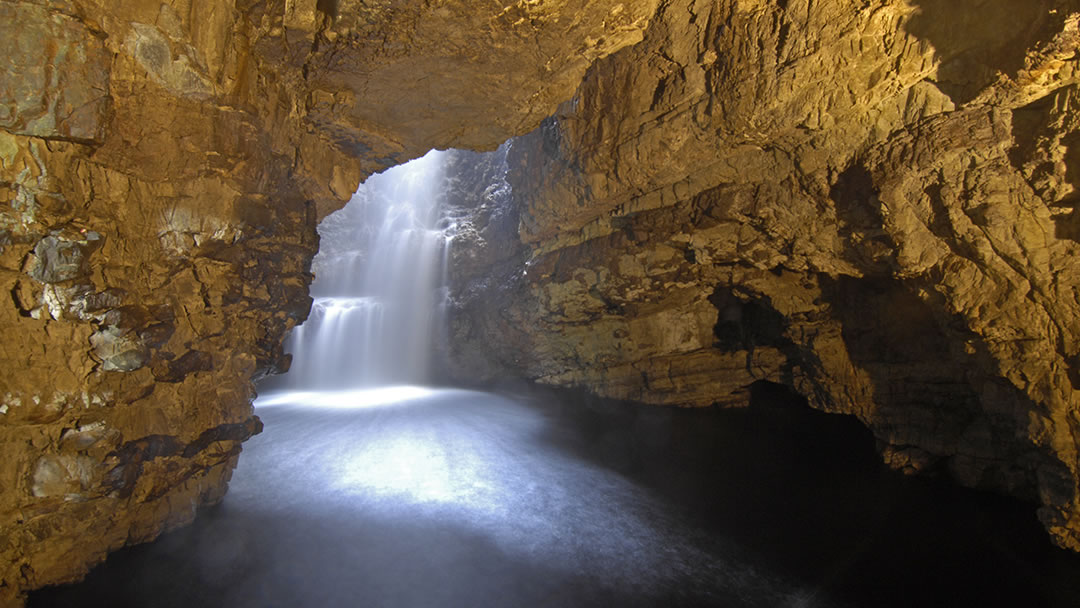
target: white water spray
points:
(378, 274)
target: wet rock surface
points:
(871, 204)
(55, 74)
(466, 498)
(162, 170)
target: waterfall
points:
(378, 283)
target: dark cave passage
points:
(363, 493)
(460, 498)
(664, 203)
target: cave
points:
(725, 302)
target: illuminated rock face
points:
(871, 201)
(162, 170)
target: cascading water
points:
(378, 278)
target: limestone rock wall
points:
(873, 202)
(162, 169)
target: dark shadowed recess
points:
(328, 7)
(804, 493)
(976, 39)
(744, 324)
(866, 243)
(799, 494)
(1033, 128)
(895, 338)
(923, 378)
(1068, 225)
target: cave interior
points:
(702, 302)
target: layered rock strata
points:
(162, 170)
(872, 202)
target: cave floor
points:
(460, 498)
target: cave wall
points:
(162, 169)
(872, 202)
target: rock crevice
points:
(872, 202)
(163, 166)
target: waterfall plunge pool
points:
(367, 489)
(461, 498)
(346, 399)
(380, 278)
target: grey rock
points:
(119, 349)
(58, 258)
(60, 91)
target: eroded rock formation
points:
(872, 202)
(162, 169)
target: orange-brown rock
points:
(872, 202)
(162, 169)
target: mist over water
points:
(365, 491)
(378, 284)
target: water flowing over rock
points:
(201, 142)
(871, 201)
(379, 276)
(862, 202)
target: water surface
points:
(460, 498)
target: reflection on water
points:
(346, 399)
(378, 284)
(486, 464)
(459, 498)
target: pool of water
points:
(422, 497)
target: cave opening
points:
(373, 485)
(574, 396)
(553, 497)
(380, 279)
